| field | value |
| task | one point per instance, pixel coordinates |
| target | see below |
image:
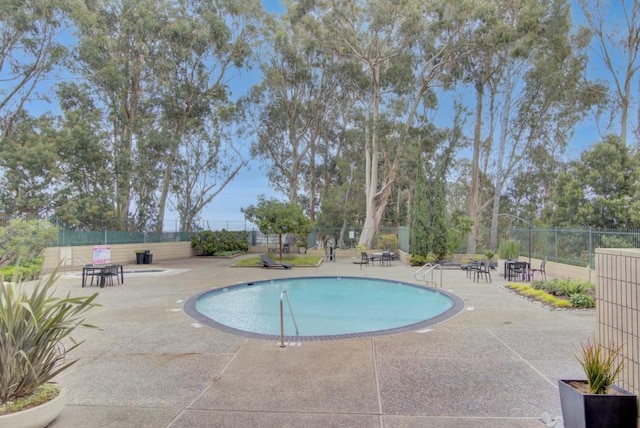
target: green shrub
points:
(388, 240)
(567, 287)
(26, 270)
(209, 243)
(418, 260)
(582, 301)
(538, 285)
(25, 239)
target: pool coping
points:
(189, 307)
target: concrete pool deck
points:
(151, 365)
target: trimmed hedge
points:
(209, 243)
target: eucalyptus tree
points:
(289, 107)
(383, 38)
(118, 50)
(542, 97)
(84, 197)
(525, 69)
(615, 26)
(29, 165)
(208, 44)
(30, 49)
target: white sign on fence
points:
(101, 254)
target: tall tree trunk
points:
(371, 220)
(474, 202)
(500, 173)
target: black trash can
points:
(148, 257)
(139, 258)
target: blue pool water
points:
(324, 306)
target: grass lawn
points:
(296, 260)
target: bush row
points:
(579, 294)
(26, 269)
(209, 243)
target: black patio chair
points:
(364, 258)
(483, 270)
(542, 270)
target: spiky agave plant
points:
(601, 365)
(35, 334)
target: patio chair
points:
(483, 270)
(268, 263)
(542, 270)
(385, 258)
(470, 268)
(365, 259)
(108, 272)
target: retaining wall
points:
(76, 257)
(618, 308)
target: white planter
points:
(36, 417)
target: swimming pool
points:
(323, 307)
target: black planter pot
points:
(581, 410)
(139, 258)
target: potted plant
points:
(302, 248)
(596, 401)
(140, 257)
(36, 328)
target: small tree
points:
(276, 217)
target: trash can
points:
(139, 258)
(148, 257)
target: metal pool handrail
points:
(282, 296)
(430, 269)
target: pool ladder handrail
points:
(430, 268)
(282, 296)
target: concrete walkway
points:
(150, 365)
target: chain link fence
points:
(573, 246)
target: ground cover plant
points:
(559, 293)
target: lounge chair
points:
(268, 263)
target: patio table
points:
(101, 271)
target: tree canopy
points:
(113, 113)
